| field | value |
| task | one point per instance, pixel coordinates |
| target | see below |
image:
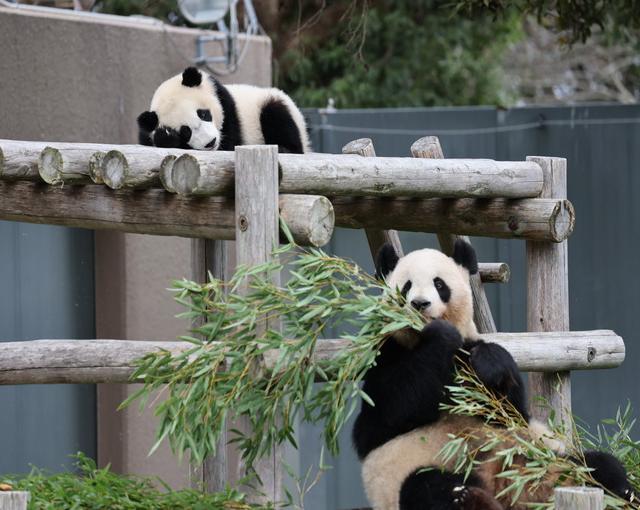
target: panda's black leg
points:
(497, 370)
(279, 128)
(441, 490)
(609, 472)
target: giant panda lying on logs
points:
(400, 438)
(193, 110)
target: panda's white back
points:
(249, 101)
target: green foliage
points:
(615, 435)
(399, 53)
(101, 489)
(222, 375)
(577, 17)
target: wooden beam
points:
(323, 174)
(548, 299)
(112, 361)
(256, 184)
(578, 498)
(153, 211)
(375, 237)
(429, 147)
(531, 218)
(350, 175)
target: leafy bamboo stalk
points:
(221, 375)
(526, 461)
(91, 488)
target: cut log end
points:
(494, 272)
(50, 165)
(114, 169)
(166, 173)
(583, 498)
(185, 174)
(310, 218)
(427, 147)
(562, 221)
(95, 167)
(361, 146)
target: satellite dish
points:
(204, 12)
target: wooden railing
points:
(238, 195)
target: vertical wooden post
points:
(14, 500)
(376, 238)
(578, 498)
(548, 298)
(257, 235)
(429, 147)
(211, 257)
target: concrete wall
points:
(75, 77)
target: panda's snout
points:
(420, 304)
(211, 144)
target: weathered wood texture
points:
(152, 211)
(429, 147)
(14, 500)
(256, 182)
(351, 175)
(210, 174)
(166, 170)
(578, 498)
(211, 257)
(534, 218)
(68, 166)
(548, 298)
(375, 237)
(112, 361)
(494, 272)
(19, 160)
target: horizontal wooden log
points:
(19, 161)
(322, 174)
(494, 272)
(153, 211)
(78, 163)
(534, 219)
(69, 166)
(99, 361)
(133, 169)
(352, 175)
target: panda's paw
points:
(441, 332)
(474, 498)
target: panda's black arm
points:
(498, 371)
(406, 386)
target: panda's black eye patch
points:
(406, 288)
(443, 289)
(205, 115)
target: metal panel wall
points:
(602, 145)
(47, 292)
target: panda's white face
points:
(182, 115)
(436, 286)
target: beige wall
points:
(72, 77)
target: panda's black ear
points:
(465, 255)
(148, 121)
(191, 77)
(386, 260)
